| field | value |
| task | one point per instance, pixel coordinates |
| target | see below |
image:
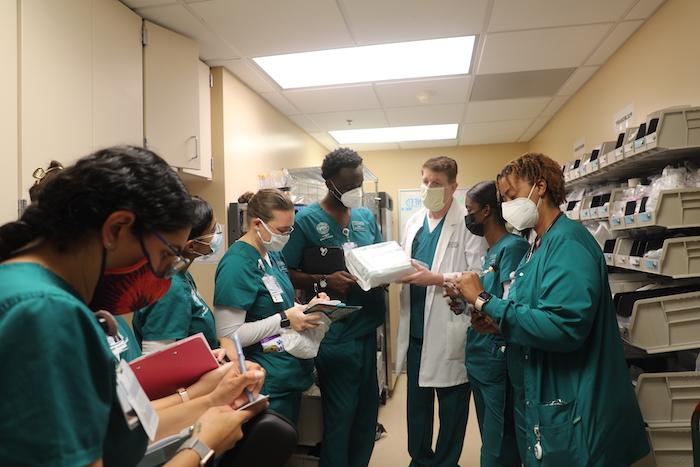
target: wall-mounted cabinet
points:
(205, 148)
(171, 70)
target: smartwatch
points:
(204, 452)
(483, 298)
(284, 321)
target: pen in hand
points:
(241, 364)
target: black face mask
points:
(474, 227)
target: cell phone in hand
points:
(257, 401)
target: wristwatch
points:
(284, 321)
(323, 283)
(483, 298)
(183, 394)
(204, 452)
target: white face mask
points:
(277, 241)
(433, 198)
(521, 213)
(351, 199)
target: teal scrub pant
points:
(494, 410)
(287, 405)
(453, 413)
(350, 399)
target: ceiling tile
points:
(143, 3)
(333, 99)
(425, 115)
(374, 147)
(554, 106)
(339, 120)
(493, 132)
(535, 128)
(438, 91)
(178, 19)
(541, 49)
(325, 140)
(533, 14)
(306, 124)
(269, 27)
(507, 109)
(373, 22)
(578, 79)
(429, 144)
(280, 102)
(519, 84)
(614, 41)
(248, 73)
(644, 9)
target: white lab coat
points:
(445, 334)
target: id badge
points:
(272, 344)
(133, 393)
(347, 246)
(273, 287)
(117, 344)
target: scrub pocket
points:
(562, 436)
(456, 339)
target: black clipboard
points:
(324, 261)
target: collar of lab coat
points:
(454, 216)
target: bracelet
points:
(183, 394)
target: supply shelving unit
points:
(652, 244)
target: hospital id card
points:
(132, 391)
(273, 287)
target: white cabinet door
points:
(171, 96)
(56, 83)
(204, 124)
(117, 64)
(9, 156)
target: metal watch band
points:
(204, 452)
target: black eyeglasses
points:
(179, 263)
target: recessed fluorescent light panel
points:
(401, 60)
(396, 134)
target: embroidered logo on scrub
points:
(323, 228)
(358, 226)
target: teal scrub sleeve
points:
(57, 407)
(293, 252)
(169, 317)
(568, 294)
(512, 255)
(237, 283)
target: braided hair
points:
(534, 167)
(80, 198)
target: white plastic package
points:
(305, 344)
(381, 263)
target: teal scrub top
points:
(239, 284)
(314, 227)
(61, 408)
(565, 356)
(484, 357)
(181, 313)
(423, 249)
(132, 350)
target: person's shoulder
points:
(516, 242)
(307, 212)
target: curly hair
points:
(338, 159)
(79, 198)
(533, 167)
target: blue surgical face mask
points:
(214, 244)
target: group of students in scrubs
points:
(528, 328)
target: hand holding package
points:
(305, 344)
(378, 264)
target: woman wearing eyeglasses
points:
(254, 298)
(115, 209)
(182, 312)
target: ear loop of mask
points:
(337, 196)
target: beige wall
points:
(657, 67)
(8, 112)
(249, 137)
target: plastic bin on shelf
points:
(630, 136)
(675, 209)
(665, 323)
(626, 219)
(680, 258)
(638, 144)
(573, 210)
(667, 401)
(609, 252)
(673, 128)
(621, 256)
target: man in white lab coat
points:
(431, 337)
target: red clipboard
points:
(176, 366)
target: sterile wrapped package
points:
(305, 344)
(378, 264)
(670, 178)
